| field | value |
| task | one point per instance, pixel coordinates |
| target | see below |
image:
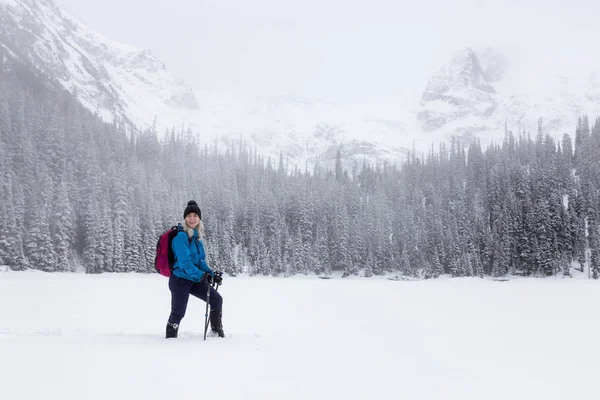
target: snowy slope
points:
(305, 131)
(76, 336)
(106, 76)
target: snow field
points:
(76, 336)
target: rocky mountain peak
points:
(458, 89)
(463, 72)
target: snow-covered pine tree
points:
(62, 227)
(6, 183)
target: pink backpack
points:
(165, 258)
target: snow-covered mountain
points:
(107, 77)
(305, 131)
(473, 95)
(459, 91)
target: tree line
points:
(81, 194)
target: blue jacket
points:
(190, 258)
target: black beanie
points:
(192, 207)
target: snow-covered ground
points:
(76, 336)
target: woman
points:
(191, 274)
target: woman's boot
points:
(216, 324)
(172, 330)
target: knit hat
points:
(192, 207)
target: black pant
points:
(180, 293)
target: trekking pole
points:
(206, 319)
(206, 316)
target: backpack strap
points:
(179, 228)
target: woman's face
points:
(192, 220)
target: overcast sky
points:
(339, 50)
